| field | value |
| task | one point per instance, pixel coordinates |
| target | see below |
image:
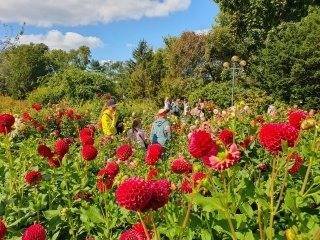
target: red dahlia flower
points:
(6, 123)
(226, 136)
(86, 132)
(3, 229)
(133, 194)
(87, 140)
(34, 232)
(153, 154)
(201, 144)
(44, 151)
(55, 161)
(26, 117)
(186, 186)
(70, 113)
(33, 177)
(181, 165)
(296, 117)
(37, 106)
(298, 162)
(89, 152)
(124, 152)
(271, 136)
(198, 177)
(160, 191)
(112, 169)
(104, 180)
(225, 159)
(61, 147)
(137, 232)
(152, 173)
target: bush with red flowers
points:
(34, 232)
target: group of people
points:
(160, 131)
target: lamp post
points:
(237, 67)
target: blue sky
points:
(113, 35)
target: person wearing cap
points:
(109, 119)
(160, 132)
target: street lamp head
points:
(235, 58)
(226, 65)
(243, 63)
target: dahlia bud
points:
(263, 167)
(308, 124)
(63, 212)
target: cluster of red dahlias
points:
(33, 177)
(153, 154)
(35, 231)
(136, 232)
(137, 194)
(106, 176)
(124, 152)
(61, 147)
(89, 151)
(187, 185)
(272, 136)
(226, 137)
(6, 123)
(181, 166)
(3, 229)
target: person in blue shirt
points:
(161, 132)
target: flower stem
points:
(306, 177)
(186, 218)
(144, 226)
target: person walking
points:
(136, 134)
(109, 119)
(160, 131)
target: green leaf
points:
(205, 234)
(92, 215)
(247, 210)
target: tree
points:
(289, 66)
(251, 20)
(185, 55)
(21, 69)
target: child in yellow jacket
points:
(109, 119)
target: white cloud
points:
(130, 45)
(202, 31)
(84, 12)
(54, 39)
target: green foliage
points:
(220, 93)
(288, 67)
(251, 20)
(72, 83)
(21, 69)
